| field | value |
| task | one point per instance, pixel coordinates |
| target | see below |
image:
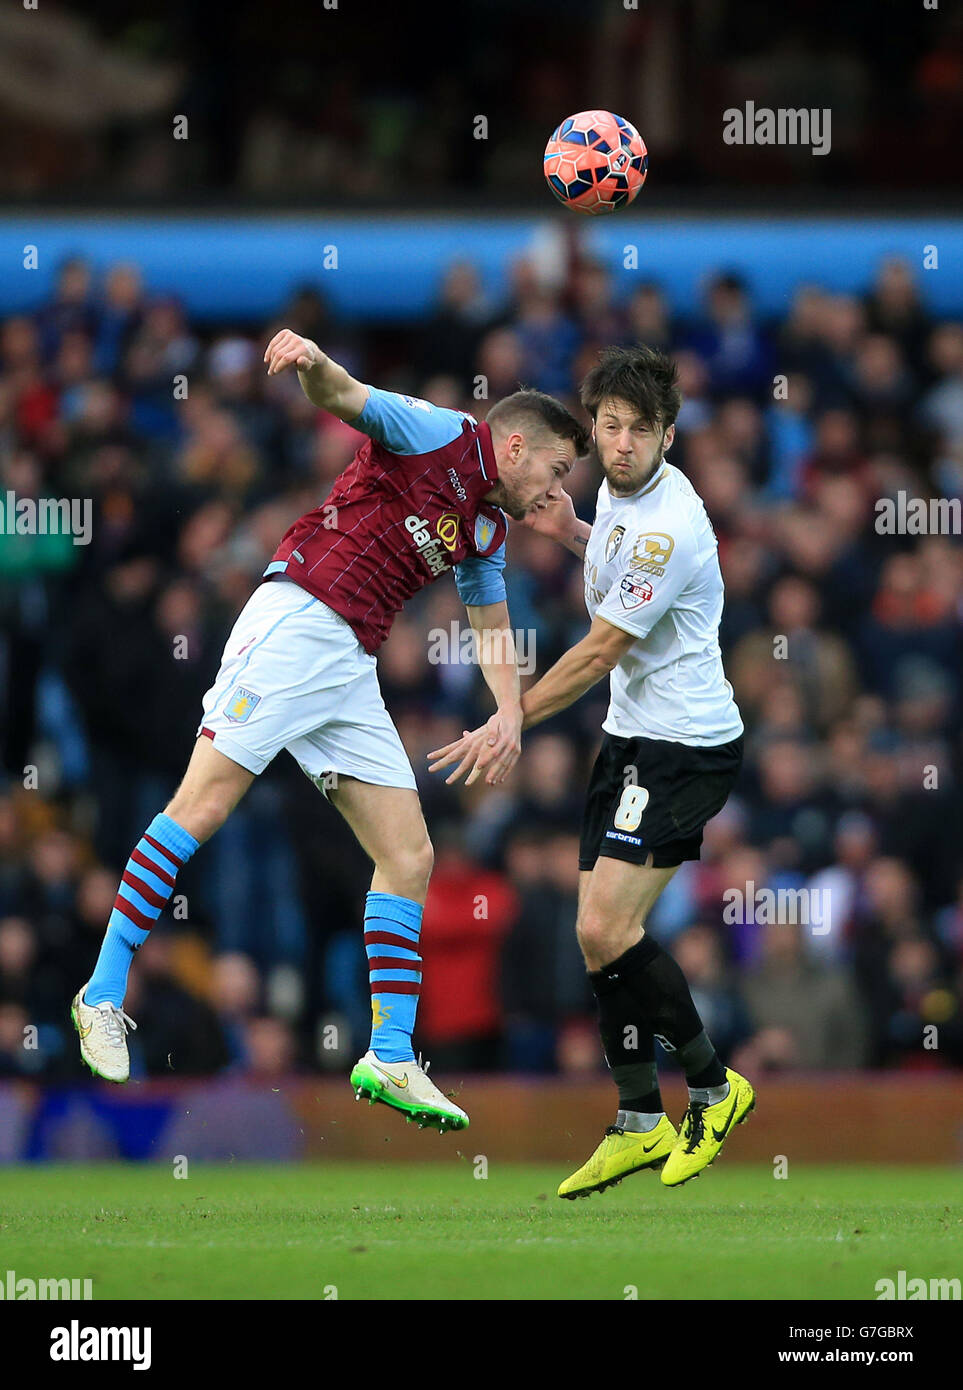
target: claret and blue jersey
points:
(409, 507)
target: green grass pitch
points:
(375, 1231)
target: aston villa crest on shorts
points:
(240, 705)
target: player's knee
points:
(603, 936)
(409, 868)
(202, 813)
(423, 863)
(593, 931)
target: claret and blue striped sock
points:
(145, 888)
(392, 927)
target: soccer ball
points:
(596, 162)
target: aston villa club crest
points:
(484, 532)
(613, 543)
(240, 705)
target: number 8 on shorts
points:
(632, 803)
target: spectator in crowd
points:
(468, 912)
(543, 976)
(177, 1033)
(805, 1015)
(730, 341)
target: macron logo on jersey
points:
(429, 547)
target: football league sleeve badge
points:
(634, 591)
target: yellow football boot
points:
(620, 1153)
(704, 1129)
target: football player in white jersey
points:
(671, 751)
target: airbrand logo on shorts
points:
(241, 704)
(618, 835)
(429, 546)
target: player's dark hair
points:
(644, 378)
(539, 412)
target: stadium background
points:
(152, 265)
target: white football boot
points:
(406, 1087)
(102, 1029)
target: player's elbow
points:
(603, 662)
(605, 646)
(490, 616)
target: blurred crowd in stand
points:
(842, 642)
(433, 101)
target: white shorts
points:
(294, 675)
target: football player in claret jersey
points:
(427, 492)
(671, 750)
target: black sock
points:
(655, 982)
(629, 1047)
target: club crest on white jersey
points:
(613, 543)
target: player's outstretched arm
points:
(558, 520)
(582, 666)
(501, 737)
(325, 383)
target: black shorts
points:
(649, 796)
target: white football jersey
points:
(652, 569)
